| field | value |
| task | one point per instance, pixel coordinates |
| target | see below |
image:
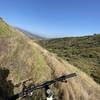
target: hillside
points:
(22, 58)
(82, 52)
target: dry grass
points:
(80, 88)
(24, 58)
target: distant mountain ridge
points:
(31, 35)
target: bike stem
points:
(48, 93)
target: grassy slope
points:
(25, 59)
(82, 52)
(21, 57)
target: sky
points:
(53, 18)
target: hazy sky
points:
(53, 18)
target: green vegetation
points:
(82, 52)
(21, 58)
